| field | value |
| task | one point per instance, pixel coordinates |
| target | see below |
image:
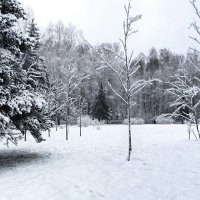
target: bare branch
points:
(117, 94)
(107, 49)
(193, 2)
(135, 67)
(195, 39)
(193, 64)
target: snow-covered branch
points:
(110, 85)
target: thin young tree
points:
(126, 70)
(195, 24)
(186, 89)
(71, 80)
(82, 105)
(53, 95)
(189, 93)
(186, 103)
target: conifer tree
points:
(10, 37)
(20, 104)
(34, 63)
(101, 109)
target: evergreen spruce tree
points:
(34, 63)
(20, 104)
(101, 109)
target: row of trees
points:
(150, 102)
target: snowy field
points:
(164, 165)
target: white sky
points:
(164, 23)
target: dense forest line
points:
(64, 44)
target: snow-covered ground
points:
(164, 165)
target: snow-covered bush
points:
(98, 127)
(6, 134)
(86, 121)
(115, 122)
(134, 121)
(164, 120)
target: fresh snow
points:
(164, 165)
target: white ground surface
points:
(164, 165)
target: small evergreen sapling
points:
(101, 109)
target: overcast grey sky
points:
(164, 23)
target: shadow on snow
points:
(13, 158)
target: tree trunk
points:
(25, 136)
(197, 127)
(129, 132)
(49, 133)
(80, 123)
(56, 123)
(189, 130)
(129, 111)
(58, 120)
(67, 131)
(66, 126)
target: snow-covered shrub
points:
(86, 121)
(71, 120)
(115, 122)
(134, 121)
(98, 127)
(164, 120)
(6, 134)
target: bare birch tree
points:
(53, 96)
(71, 80)
(195, 24)
(186, 102)
(126, 70)
(82, 104)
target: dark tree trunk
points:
(56, 123)
(67, 119)
(80, 124)
(25, 136)
(58, 120)
(49, 133)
